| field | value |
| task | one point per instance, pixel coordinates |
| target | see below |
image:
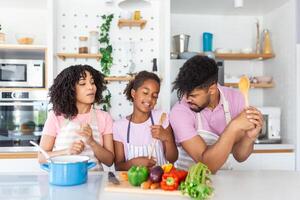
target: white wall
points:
(26, 21)
(230, 32)
(281, 22)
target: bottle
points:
(83, 45)
(93, 40)
(154, 67)
(267, 48)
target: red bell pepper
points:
(181, 174)
(169, 182)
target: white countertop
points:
(229, 185)
(256, 147)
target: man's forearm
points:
(242, 149)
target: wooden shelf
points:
(252, 85)
(25, 47)
(130, 23)
(119, 78)
(243, 56)
(64, 56)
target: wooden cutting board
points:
(127, 188)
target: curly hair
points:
(63, 92)
(138, 81)
(197, 72)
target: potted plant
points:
(2, 36)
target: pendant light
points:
(238, 3)
(134, 4)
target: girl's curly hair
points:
(197, 72)
(63, 93)
(138, 81)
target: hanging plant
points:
(106, 48)
(107, 59)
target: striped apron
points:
(69, 133)
(134, 151)
(184, 160)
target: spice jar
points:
(93, 40)
(83, 44)
(267, 48)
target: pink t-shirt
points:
(140, 134)
(184, 121)
(54, 123)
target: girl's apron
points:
(134, 151)
(185, 161)
(69, 133)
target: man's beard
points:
(200, 108)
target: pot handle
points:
(45, 166)
(91, 164)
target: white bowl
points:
(264, 79)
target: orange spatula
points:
(161, 121)
(244, 85)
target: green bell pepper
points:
(137, 175)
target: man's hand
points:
(257, 119)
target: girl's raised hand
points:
(86, 132)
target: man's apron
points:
(69, 133)
(184, 160)
(134, 151)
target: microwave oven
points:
(270, 132)
(22, 73)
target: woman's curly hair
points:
(138, 81)
(197, 72)
(63, 92)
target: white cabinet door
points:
(265, 161)
(19, 165)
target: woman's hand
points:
(76, 147)
(87, 133)
(158, 132)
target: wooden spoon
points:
(161, 121)
(244, 85)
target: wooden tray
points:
(127, 188)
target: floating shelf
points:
(64, 56)
(243, 56)
(130, 23)
(252, 85)
(119, 78)
(24, 47)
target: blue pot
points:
(68, 170)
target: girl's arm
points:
(105, 153)
(170, 148)
(47, 143)
(122, 165)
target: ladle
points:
(41, 150)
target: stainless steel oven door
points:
(21, 122)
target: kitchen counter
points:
(31, 152)
(229, 185)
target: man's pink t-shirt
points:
(184, 122)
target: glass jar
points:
(83, 44)
(267, 47)
(94, 44)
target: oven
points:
(21, 119)
(22, 73)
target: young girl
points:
(135, 135)
(74, 126)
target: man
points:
(211, 121)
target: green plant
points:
(104, 40)
(105, 103)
